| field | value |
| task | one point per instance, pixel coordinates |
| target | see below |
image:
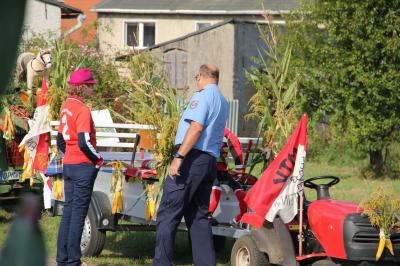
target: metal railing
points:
(232, 122)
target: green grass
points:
(122, 248)
(351, 186)
(136, 248)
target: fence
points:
(232, 122)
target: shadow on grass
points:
(7, 210)
(5, 219)
(139, 246)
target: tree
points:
(348, 55)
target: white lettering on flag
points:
(286, 204)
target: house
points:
(44, 17)
(87, 33)
(125, 24)
(230, 45)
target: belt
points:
(176, 148)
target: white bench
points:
(125, 140)
(116, 141)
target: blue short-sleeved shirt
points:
(209, 108)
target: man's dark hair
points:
(210, 71)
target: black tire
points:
(324, 263)
(219, 243)
(93, 240)
(245, 253)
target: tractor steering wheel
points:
(310, 184)
(322, 189)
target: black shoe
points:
(212, 220)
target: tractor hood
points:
(345, 233)
(326, 218)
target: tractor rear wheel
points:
(245, 253)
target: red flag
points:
(42, 151)
(276, 191)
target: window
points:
(149, 35)
(132, 34)
(202, 25)
(140, 34)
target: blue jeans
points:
(78, 186)
(187, 195)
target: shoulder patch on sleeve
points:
(193, 104)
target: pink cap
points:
(81, 76)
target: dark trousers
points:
(187, 195)
(78, 187)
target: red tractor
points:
(334, 232)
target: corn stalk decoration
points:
(156, 104)
(383, 210)
(27, 169)
(116, 186)
(276, 90)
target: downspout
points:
(80, 19)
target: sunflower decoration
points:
(383, 211)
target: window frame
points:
(140, 23)
(202, 22)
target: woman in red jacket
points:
(77, 140)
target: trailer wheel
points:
(324, 263)
(93, 240)
(246, 253)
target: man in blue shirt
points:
(187, 188)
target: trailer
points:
(100, 218)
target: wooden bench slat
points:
(108, 134)
(114, 125)
(111, 145)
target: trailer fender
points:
(101, 206)
(274, 239)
